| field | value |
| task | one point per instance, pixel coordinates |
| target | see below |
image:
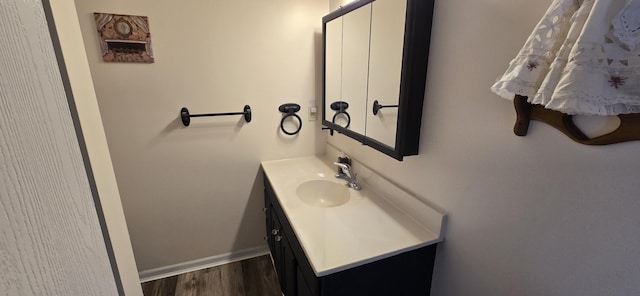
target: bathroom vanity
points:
(328, 239)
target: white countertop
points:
(365, 229)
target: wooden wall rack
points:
(629, 129)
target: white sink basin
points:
(323, 193)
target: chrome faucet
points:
(347, 175)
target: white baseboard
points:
(176, 269)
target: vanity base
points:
(408, 273)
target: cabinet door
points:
(269, 226)
(283, 258)
(289, 269)
(385, 66)
(275, 239)
(302, 286)
(355, 64)
(333, 68)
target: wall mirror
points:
(374, 74)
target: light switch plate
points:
(313, 111)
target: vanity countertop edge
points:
(366, 229)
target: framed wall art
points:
(124, 38)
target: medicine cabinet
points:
(374, 74)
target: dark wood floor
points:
(251, 277)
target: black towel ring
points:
(340, 107)
(290, 110)
(345, 114)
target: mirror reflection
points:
(347, 69)
(355, 64)
(333, 68)
(385, 66)
(341, 115)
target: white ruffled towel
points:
(582, 58)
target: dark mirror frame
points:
(415, 56)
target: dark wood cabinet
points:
(407, 273)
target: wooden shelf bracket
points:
(629, 129)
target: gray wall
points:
(537, 215)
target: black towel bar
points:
(186, 117)
(377, 107)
